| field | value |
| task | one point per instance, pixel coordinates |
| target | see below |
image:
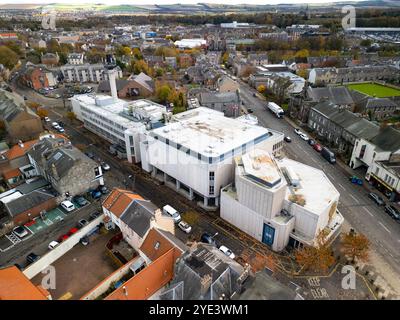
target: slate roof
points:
(337, 95)
(138, 216)
(363, 129)
(388, 139)
(28, 201)
(11, 105)
(222, 97)
(144, 80)
(104, 86)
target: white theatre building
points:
(280, 202)
(194, 153)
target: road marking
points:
(384, 227)
(341, 186)
(355, 199)
(369, 212)
(330, 176)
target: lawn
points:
(372, 89)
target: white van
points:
(168, 210)
(68, 205)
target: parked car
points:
(60, 129)
(84, 241)
(90, 155)
(32, 257)
(105, 166)
(311, 142)
(328, 155)
(317, 147)
(20, 232)
(250, 110)
(53, 244)
(103, 189)
(72, 231)
(94, 215)
(303, 136)
(297, 131)
(254, 94)
(173, 213)
(82, 223)
(393, 212)
(227, 252)
(54, 124)
(287, 139)
(95, 194)
(68, 206)
(185, 227)
(47, 119)
(207, 238)
(63, 238)
(80, 200)
(376, 198)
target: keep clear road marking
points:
(355, 199)
(369, 212)
(384, 227)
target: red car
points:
(63, 238)
(72, 231)
(317, 147)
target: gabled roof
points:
(388, 139)
(363, 129)
(28, 201)
(336, 95)
(104, 86)
(14, 285)
(341, 117)
(144, 80)
(221, 97)
(155, 245)
(119, 200)
(138, 216)
(11, 105)
(19, 151)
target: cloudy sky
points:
(143, 2)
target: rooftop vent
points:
(293, 177)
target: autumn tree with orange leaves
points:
(355, 246)
(318, 258)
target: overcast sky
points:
(142, 2)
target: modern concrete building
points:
(86, 72)
(118, 121)
(280, 202)
(194, 152)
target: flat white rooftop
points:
(260, 166)
(209, 132)
(316, 189)
(113, 109)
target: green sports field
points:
(373, 89)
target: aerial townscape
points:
(200, 151)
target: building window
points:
(211, 190)
(212, 176)
(97, 172)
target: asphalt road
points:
(354, 204)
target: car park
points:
(171, 212)
(20, 232)
(32, 257)
(184, 226)
(393, 212)
(80, 200)
(376, 198)
(53, 244)
(288, 139)
(227, 252)
(68, 206)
